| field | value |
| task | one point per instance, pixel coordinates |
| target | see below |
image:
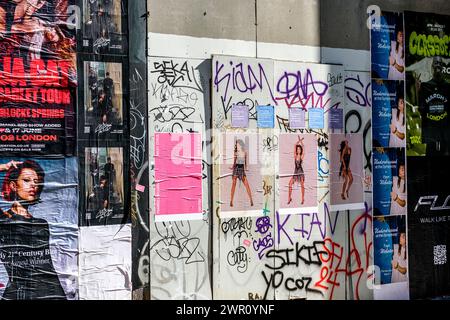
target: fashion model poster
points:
(346, 171)
(240, 177)
(388, 47)
(103, 98)
(390, 250)
(389, 177)
(297, 173)
(38, 229)
(178, 176)
(388, 114)
(104, 26)
(104, 185)
(38, 77)
(427, 88)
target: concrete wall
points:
(326, 23)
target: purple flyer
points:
(239, 116)
(296, 118)
(336, 119)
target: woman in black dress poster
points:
(24, 240)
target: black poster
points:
(428, 136)
(103, 98)
(428, 226)
(104, 185)
(104, 28)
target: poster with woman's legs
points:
(297, 163)
(104, 185)
(38, 229)
(240, 181)
(346, 171)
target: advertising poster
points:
(38, 229)
(389, 177)
(346, 171)
(104, 26)
(388, 114)
(240, 181)
(178, 176)
(427, 84)
(38, 78)
(104, 184)
(390, 250)
(103, 97)
(427, 94)
(388, 47)
(428, 226)
(297, 173)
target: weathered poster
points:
(388, 47)
(389, 176)
(38, 229)
(105, 276)
(427, 88)
(178, 176)
(104, 26)
(297, 173)
(388, 114)
(38, 76)
(346, 171)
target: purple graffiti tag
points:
(280, 228)
(241, 78)
(294, 85)
(263, 227)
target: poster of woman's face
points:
(389, 176)
(103, 95)
(390, 249)
(241, 183)
(388, 114)
(39, 29)
(297, 173)
(388, 47)
(346, 171)
(38, 229)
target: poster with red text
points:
(37, 78)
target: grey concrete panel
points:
(220, 19)
(289, 21)
(343, 22)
